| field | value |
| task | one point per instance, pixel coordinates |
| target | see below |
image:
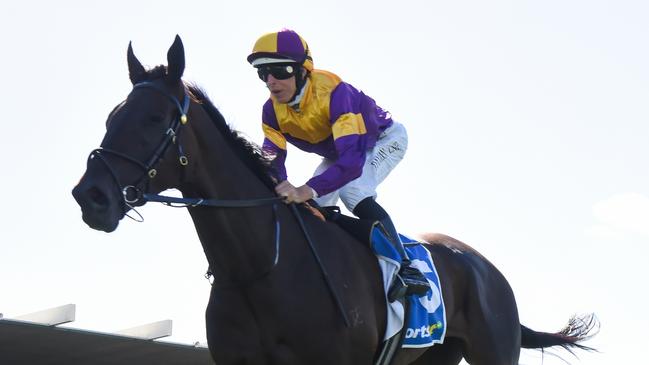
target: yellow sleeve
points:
(348, 124)
(274, 136)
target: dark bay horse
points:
(270, 303)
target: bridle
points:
(134, 194)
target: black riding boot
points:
(409, 280)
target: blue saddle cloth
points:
(426, 322)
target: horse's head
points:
(139, 152)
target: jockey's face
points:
(281, 90)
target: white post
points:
(150, 331)
(52, 316)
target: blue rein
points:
(217, 203)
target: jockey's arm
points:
(350, 140)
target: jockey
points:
(318, 112)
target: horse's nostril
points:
(97, 197)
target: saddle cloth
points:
(426, 322)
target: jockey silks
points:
(333, 120)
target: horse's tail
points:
(577, 330)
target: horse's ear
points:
(136, 71)
(176, 60)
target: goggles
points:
(279, 71)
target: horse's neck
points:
(233, 238)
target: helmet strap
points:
(300, 81)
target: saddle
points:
(425, 319)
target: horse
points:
(276, 299)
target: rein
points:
(133, 194)
(216, 203)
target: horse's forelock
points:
(155, 73)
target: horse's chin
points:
(100, 223)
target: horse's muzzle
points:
(99, 210)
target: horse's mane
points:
(248, 152)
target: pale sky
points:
(528, 125)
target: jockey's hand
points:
(291, 194)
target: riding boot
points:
(414, 279)
(361, 229)
(409, 280)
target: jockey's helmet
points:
(285, 46)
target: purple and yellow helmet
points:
(281, 47)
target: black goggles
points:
(280, 72)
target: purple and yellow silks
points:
(334, 120)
